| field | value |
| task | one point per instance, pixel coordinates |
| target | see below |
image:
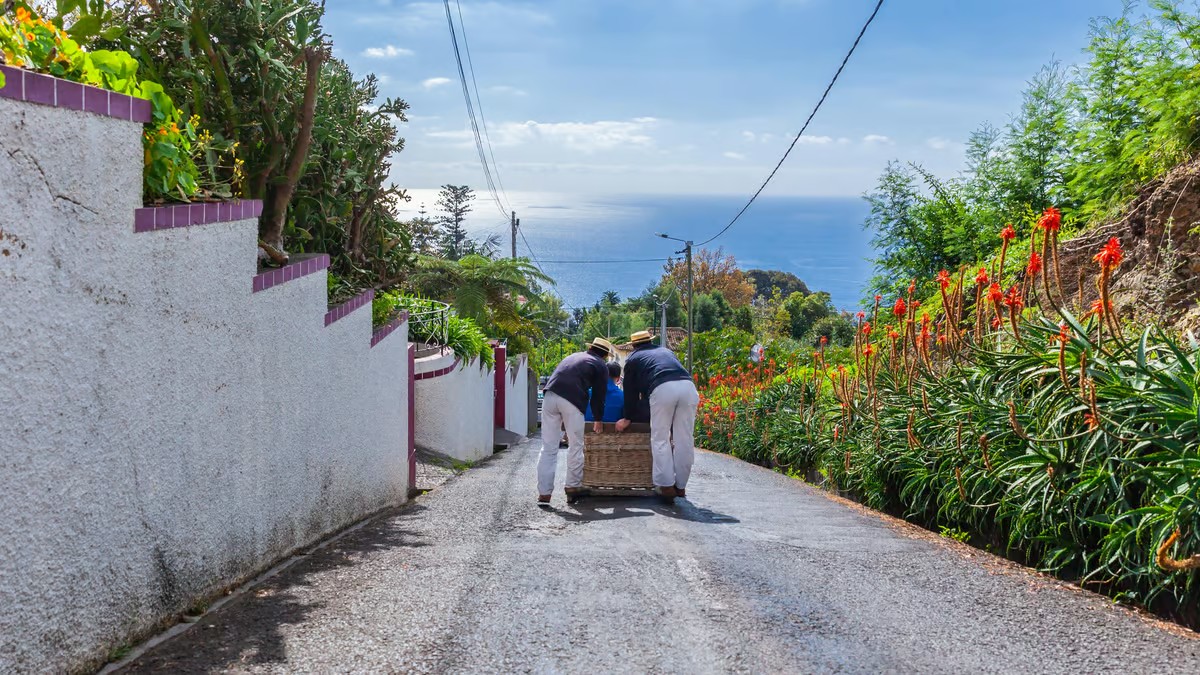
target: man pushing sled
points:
(655, 374)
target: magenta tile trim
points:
(386, 330)
(280, 275)
(343, 310)
(438, 373)
(153, 218)
(25, 85)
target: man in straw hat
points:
(565, 400)
(654, 373)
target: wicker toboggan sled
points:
(618, 464)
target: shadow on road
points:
(247, 632)
(616, 508)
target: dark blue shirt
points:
(647, 367)
(614, 403)
(576, 376)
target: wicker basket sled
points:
(618, 464)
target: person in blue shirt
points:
(614, 398)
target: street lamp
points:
(687, 249)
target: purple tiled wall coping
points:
(387, 329)
(344, 309)
(300, 268)
(25, 85)
(439, 372)
(153, 218)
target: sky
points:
(676, 97)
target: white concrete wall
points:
(164, 431)
(455, 413)
(516, 397)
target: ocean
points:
(819, 239)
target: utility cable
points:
(796, 140)
(462, 26)
(462, 78)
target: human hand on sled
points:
(598, 427)
(623, 424)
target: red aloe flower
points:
(1034, 267)
(878, 298)
(866, 328)
(995, 294)
(861, 315)
(868, 350)
(1051, 220)
(824, 340)
(1097, 308)
(1090, 420)
(943, 279)
(1013, 299)
(996, 323)
(1008, 233)
(912, 287)
(1110, 255)
(982, 277)
(901, 309)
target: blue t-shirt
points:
(614, 403)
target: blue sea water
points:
(819, 239)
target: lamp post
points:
(687, 249)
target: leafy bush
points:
(171, 143)
(1057, 440)
(432, 322)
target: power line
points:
(462, 77)
(462, 26)
(796, 140)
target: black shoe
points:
(666, 494)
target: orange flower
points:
(30, 37)
(1090, 420)
(1098, 308)
(943, 279)
(995, 294)
(1035, 265)
(1013, 299)
(912, 287)
(1051, 220)
(868, 350)
(996, 323)
(866, 328)
(1008, 233)
(901, 309)
(1110, 255)
(23, 15)
(982, 277)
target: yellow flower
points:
(30, 37)
(23, 15)
(174, 128)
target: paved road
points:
(756, 573)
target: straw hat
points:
(601, 343)
(641, 337)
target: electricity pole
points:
(515, 224)
(687, 249)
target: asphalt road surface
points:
(755, 572)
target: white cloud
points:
(815, 140)
(388, 52)
(584, 137)
(505, 89)
(749, 136)
(735, 155)
(436, 82)
(877, 139)
(939, 143)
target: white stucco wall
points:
(516, 398)
(455, 413)
(165, 432)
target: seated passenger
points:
(614, 398)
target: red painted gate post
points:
(500, 383)
(412, 417)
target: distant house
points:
(676, 339)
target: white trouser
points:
(557, 412)
(673, 416)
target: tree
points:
(610, 297)
(712, 271)
(804, 311)
(487, 290)
(837, 329)
(707, 314)
(743, 319)
(426, 239)
(455, 203)
(786, 282)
